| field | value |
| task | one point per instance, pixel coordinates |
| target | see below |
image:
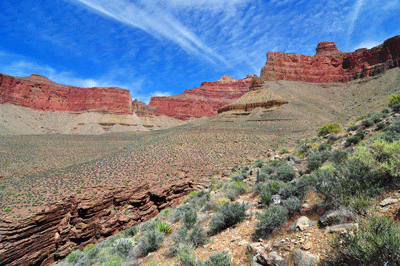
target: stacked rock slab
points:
(39, 93)
(331, 65)
(62, 227)
(202, 101)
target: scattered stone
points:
(270, 259)
(303, 258)
(307, 246)
(341, 228)
(254, 248)
(338, 216)
(302, 223)
(237, 238)
(388, 201)
(243, 243)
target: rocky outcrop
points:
(77, 221)
(142, 109)
(331, 65)
(39, 93)
(202, 101)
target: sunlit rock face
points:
(39, 93)
(331, 65)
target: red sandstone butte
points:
(202, 101)
(331, 65)
(40, 93)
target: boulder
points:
(303, 258)
(341, 215)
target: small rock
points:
(341, 228)
(270, 259)
(307, 246)
(301, 224)
(243, 243)
(236, 239)
(254, 248)
(336, 217)
(387, 202)
(303, 258)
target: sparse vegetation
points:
(329, 128)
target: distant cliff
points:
(331, 65)
(39, 93)
(202, 101)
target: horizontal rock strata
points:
(75, 222)
(40, 93)
(331, 65)
(202, 101)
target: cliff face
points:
(331, 65)
(77, 221)
(202, 101)
(40, 93)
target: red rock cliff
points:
(331, 65)
(202, 101)
(40, 93)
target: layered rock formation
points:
(75, 222)
(202, 101)
(142, 109)
(39, 93)
(331, 65)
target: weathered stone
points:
(303, 258)
(270, 259)
(338, 216)
(388, 201)
(340, 228)
(302, 223)
(39, 93)
(254, 248)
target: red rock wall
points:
(40, 93)
(202, 101)
(61, 228)
(331, 65)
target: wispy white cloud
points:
(149, 17)
(354, 16)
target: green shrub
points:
(316, 159)
(258, 164)
(149, 242)
(284, 150)
(123, 246)
(367, 123)
(285, 172)
(394, 99)
(268, 169)
(228, 214)
(78, 258)
(329, 128)
(131, 231)
(380, 126)
(265, 198)
(376, 118)
(197, 237)
(217, 259)
(360, 135)
(324, 147)
(185, 255)
(338, 156)
(352, 128)
(376, 242)
(292, 204)
(190, 218)
(269, 220)
(164, 227)
(396, 108)
(385, 111)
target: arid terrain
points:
(73, 190)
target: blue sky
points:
(161, 47)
